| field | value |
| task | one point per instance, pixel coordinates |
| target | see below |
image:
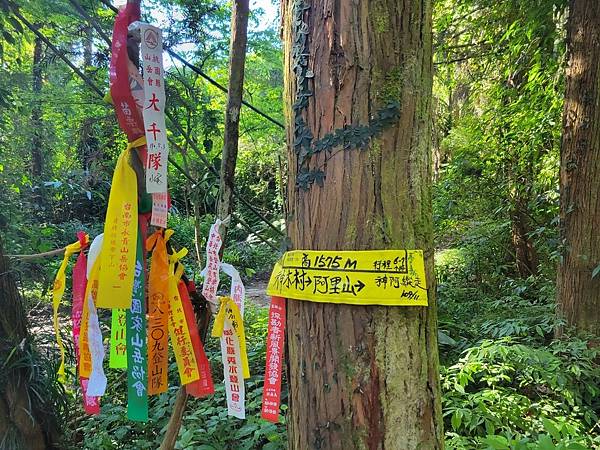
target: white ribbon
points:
(211, 272)
(97, 381)
(235, 406)
(232, 363)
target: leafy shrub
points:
(504, 394)
(205, 425)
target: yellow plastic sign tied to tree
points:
(117, 260)
(369, 277)
(58, 290)
(178, 328)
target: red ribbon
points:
(91, 405)
(274, 361)
(130, 117)
(204, 385)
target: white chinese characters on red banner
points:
(274, 360)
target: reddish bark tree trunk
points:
(361, 377)
(19, 425)
(578, 292)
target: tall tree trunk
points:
(88, 143)
(19, 427)
(36, 111)
(578, 292)
(237, 62)
(361, 377)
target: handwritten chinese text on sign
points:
(370, 277)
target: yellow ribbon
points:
(178, 328)
(117, 260)
(230, 312)
(58, 289)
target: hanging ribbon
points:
(178, 328)
(204, 385)
(118, 340)
(85, 356)
(97, 379)
(211, 271)
(274, 360)
(137, 363)
(233, 351)
(238, 291)
(90, 404)
(238, 294)
(121, 68)
(120, 230)
(158, 312)
(58, 289)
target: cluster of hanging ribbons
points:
(140, 277)
(140, 331)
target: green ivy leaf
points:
(596, 271)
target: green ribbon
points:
(137, 357)
(118, 340)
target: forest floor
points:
(39, 315)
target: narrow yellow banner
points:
(178, 328)
(368, 277)
(58, 289)
(117, 260)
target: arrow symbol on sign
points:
(359, 286)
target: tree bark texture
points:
(19, 426)
(579, 293)
(237, 61)
(526, 257)
(361, 377)
(87, 147)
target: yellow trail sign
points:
(370, 277)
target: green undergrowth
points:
(506, 382)
(205, 424)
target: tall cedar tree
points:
(578, 290)
(361, 377)
(20, 422)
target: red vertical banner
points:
(274, 360)
(204, 385)
(128, 112)
(91, 405)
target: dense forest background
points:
(498, 101)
